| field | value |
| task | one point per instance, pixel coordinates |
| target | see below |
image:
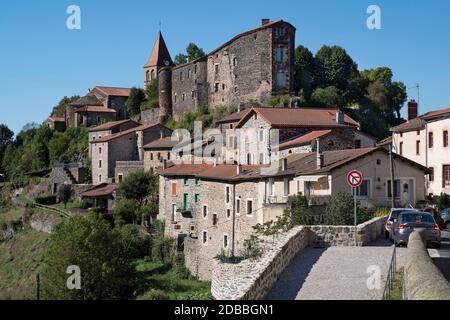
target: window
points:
(235, 88)
(286, 187)
(216, 68)
(418, 147)
(181, 76)
(396, 189)
(215, 219)
(225, 241)
(358, 144)
(280, 79)
(185, 201)
(445, 138)
(249, 207)
(249, 158)
(183, 96)
(280, 32)
(261, 158)
(174, 212)
(186, 181)
(364, 189)
(431, 174)
(378, 162)
(205, 237)
(279, 54)
(147, 76)
(100, 178)
(205, 211)
(151, 156)
(174, 189)
(159, 156)
(197, 181)
(100, 150)
(223, 86)
(272, 187)
(401, 148)
(99, 164)
(197, 198)
(228, 213)
(238, 205)
(234, 62)
(261, 135)
(189, 73)
(120, 178)
(227, 194)
(430, 140)
(175, 98)
(418, 132)
(446, 176)
(195, 69)
(216, 87)
(152, 74)
(168, 155)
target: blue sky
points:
(41, 60)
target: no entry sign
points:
(354, 178)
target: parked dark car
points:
(445, 216)
(393, 215)
(410, 221)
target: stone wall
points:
(253, 279)
(422, 279)
(335, 236)
(149, 116)
(44, 222)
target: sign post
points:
(355, 179)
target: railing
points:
(52, 209)
(277, 199)
(391, 276)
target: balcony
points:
(277, 199)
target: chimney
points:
(284, 164)
(164, 164)
(320, 160)
(340, 117)
(413, 109)
(319, 156)
(265, 21)
(238, 169)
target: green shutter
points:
(185, 201)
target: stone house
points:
(56, 123)
(110, 128)
(229, 75)
(255, 138)
(103, 195)
(158, 151)
(212, 209)
(100, 105)
(122, 148)
(425, 139)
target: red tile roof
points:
(127, 132)
(163, 143)
(305, 139)
(299, 117)
(98, 109)
(113, 91)
(209, 171)
(102, 190)
(56, 119)
(190, 169)
(159, 54)
(113, 124)
(419, 122)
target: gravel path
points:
(336, 273)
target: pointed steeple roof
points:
(160, 54)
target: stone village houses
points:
(211, 209)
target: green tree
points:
(334, 67)
(152, 93)
(101, 254)
(299, 209)
(60, 109)
(194, 52)
(134, 101)
(327, 97)
(180, 59)
(65, 194)
(126, 212)
(139, 185)
(6, 138)
(304, 70)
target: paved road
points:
(336, 273)
(441, 257)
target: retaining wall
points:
(422, 279)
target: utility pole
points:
(391, 158)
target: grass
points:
(397, 290)
(21, 258)
(70, 206)
(10, 214)
(159, 281)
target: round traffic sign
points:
(355, 178)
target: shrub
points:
(163, 249)
(65, 193)
(154, 294)
(443, 202)
(46, 200)
(136, 244)
(87, 203)
(340, 211)
(381, 212)
(252, 248)
(125, 211)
